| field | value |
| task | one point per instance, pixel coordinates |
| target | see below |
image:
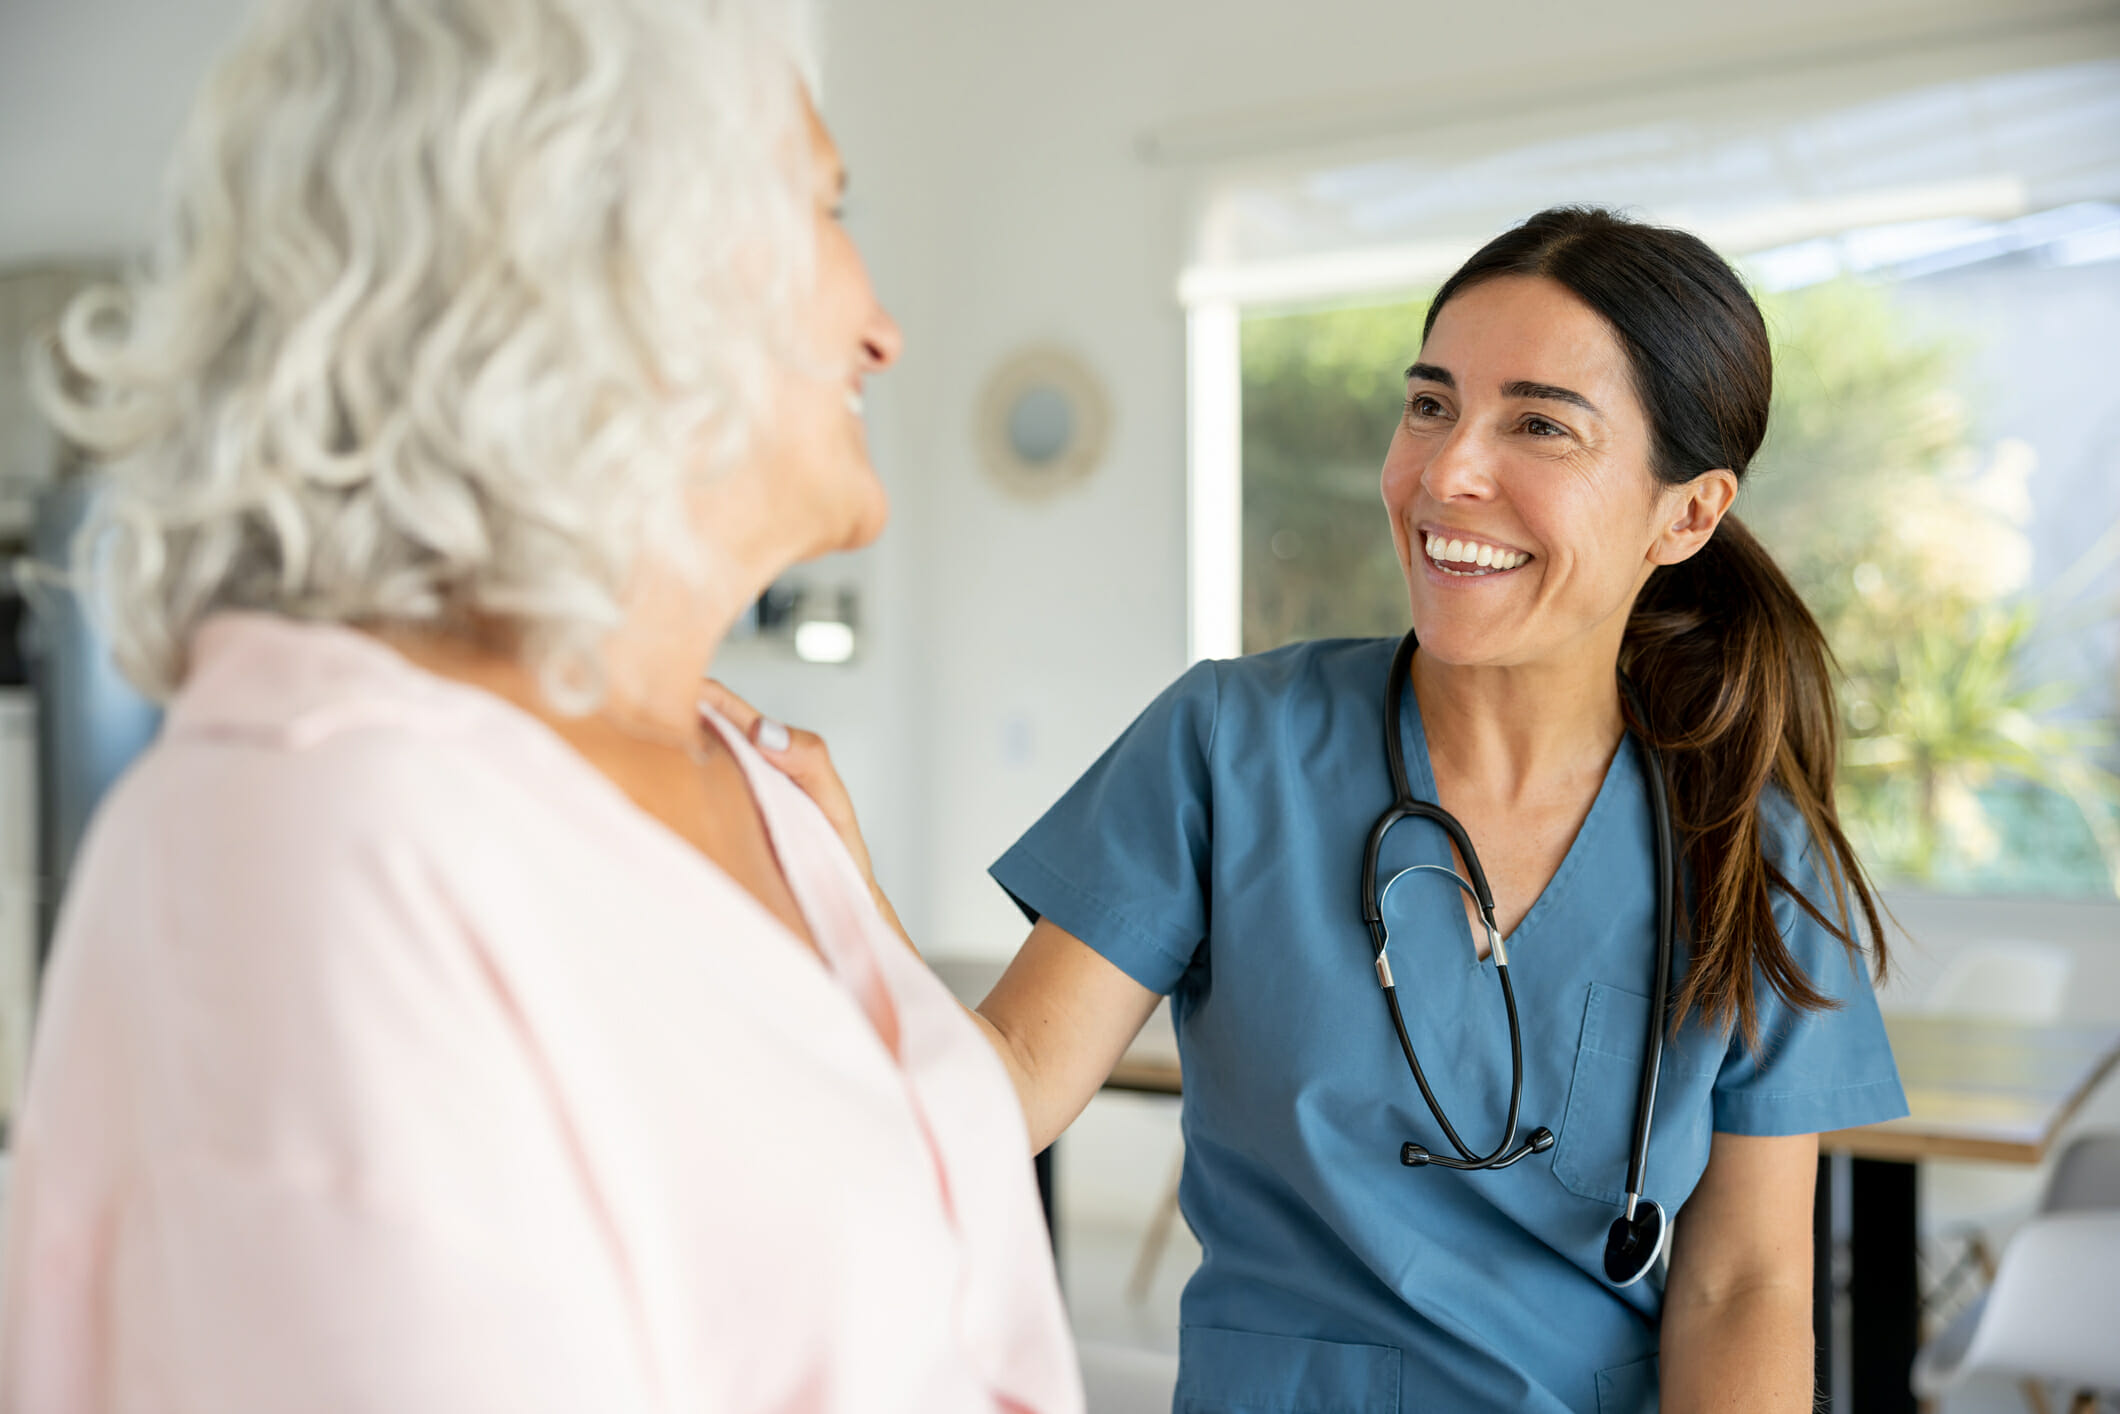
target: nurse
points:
(1586, 398)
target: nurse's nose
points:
(1458, 471)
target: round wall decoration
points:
(1042, 422)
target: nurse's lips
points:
(1463, 556)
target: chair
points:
(1157, 1235)
(1118, 1379)
(1966, 1202)
(2086, 1178)
(1160, 1039)
(2049, 1314)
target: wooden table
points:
(1976, 1089)
(1983, 1090)
(1146, 1073)
(1991, 1091)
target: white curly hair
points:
(451, 302)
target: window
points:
(1938, 267)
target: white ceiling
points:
(91, 95)
(92, 91)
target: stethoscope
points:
(1636, 1239)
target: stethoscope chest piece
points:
(1637, 1238)
(1634, 1243)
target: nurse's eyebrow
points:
(1546, 392)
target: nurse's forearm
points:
(1049, 1105)
(1749, 1349)
(1736, 1328)
(1019, 1074)
(1060, 1018)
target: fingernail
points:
(772, 736)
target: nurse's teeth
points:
(1472, 553)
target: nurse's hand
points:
(804, 759)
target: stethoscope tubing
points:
(1666, 918)
(1405, 806)
(1508, 1151)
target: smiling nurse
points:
(1600, 652)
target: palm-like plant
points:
(1959, 718)
(1906, 546)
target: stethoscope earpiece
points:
(1413, 1156)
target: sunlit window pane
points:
(1942, 482)
(1939, 263)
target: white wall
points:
(1000, 191)
(1003, 197)
(91, 94)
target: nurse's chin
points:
(1462, 641)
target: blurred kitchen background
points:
(1159, 263)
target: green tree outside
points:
(1958, 770)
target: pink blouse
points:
(391, 1060)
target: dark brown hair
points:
(1734, 672)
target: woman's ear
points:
(1690, 514)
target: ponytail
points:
(1734, 671)
(1736, 679)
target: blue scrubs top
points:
(1214, 854)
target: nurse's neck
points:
(1511, 732)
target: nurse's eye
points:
(1425, 406)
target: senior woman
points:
(448, 1014)
(1451, 1196)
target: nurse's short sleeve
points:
(1814, 1070)
(1121, 861)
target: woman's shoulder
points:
(1218, 699)
(1805, 869)
(336, 836)
(296, 753)
(1305, 670)
(296, 829)
(1785, 837)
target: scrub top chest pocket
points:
(1590, 1157)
